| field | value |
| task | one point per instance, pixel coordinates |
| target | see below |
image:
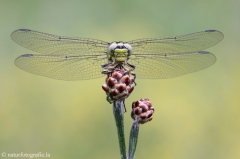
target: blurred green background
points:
(197, 116)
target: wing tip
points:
(204, 52)
(24, 30)
(216, 31)
(26, 55)
(21, 30)
(210, 30)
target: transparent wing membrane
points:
(67, 58)
(63, 58)
(52, 44)
(62, 67)
(161, 66)
(180, 44)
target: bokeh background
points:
(197, 116)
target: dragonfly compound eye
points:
(112, 47)
(129, 48)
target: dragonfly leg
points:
(111, 63)
(109, 67)
(124, 106)
(130, 65)
(109, 98)
(106, 65)
(134, 77)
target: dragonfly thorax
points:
(119, 51)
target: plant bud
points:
(142, 111)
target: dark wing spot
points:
(204, 52)
(27, 55)
(25, 30)
(210, 30)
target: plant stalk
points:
(118, 111)
(133, 139)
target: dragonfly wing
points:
(62, 67)
(52, 44)
(168, 66)
(193, 42)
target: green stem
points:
(118, 111)
(133, 140)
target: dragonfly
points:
(73, 58)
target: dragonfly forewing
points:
(188, 43)
(52, 44)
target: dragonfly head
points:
(119, 51)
